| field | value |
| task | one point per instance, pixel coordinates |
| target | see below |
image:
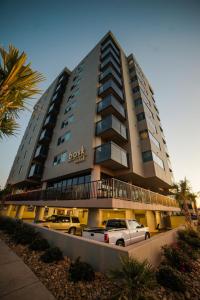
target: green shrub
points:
(39, 244)
(52, 254)
(132, 278)
(191, 237)
(24, 234)
(8, 225)
(170, 278)
(81, 271)
(188, 250)
(176, 258)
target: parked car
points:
(70, 224)
(121, 232)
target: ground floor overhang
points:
(105, 203)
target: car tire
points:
(147, 235)
(72, 231)
(120, 243)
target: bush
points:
(188, 250)
(132, 278)
(170, 278)
(81, 271)
(52, 254)
(39, 244)
(191, 237)
(8, 225)
(176, 258)
(24, 234)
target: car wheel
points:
(120, 243)
(147, 235)
(72, 231)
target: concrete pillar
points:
(50, 212)
(9, 209)
(158, 219)
(44, 185)
(20, 211)
(39, 214)
(130, 214)
(151, 220)
(94, 217)
(96, 173)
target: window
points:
(20, 169)
(136, 89)
(158, 160)
(30, 140)
(147, 156)
(64, 138)
(68, 121)
(138, 102)
(67, 109)
(134, 78)
(143, 134)
(60, 158)
(154, 140)
(140, 116)
(25, 154)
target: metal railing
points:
(108, 188)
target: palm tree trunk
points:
(187, 214)
(197, 214)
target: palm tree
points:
(193, 198)
(18, 82)
(132, 279)
(182, 193)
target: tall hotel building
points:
(94, 145)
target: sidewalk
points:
(17, 281)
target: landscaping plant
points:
(52, 254)
(39, 244)
(81, 271)
(176, 258)
(24, 234)
(170, 278)
(132, 278)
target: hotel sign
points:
(78, 156)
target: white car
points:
(121, 232)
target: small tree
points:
(182, 193)
(193, 199)
(18, 82)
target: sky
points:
(163, 35)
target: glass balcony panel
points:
(110, 71)
(110, 52)
(110, 60)
(111, 101)
(111, 151)
(110, 44)
(110, 122)
(111, 84)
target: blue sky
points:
(163, 35)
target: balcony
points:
(110, 73)
(40, 153)
(45, 137)
(110, 87)
(110, 62)
(49, 122)
(110, 105)
(35, 172)
(110, 128)
(53, 109)
(110, 52)
(108, 44)
(112, 156)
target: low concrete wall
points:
(151, 248)
(101, 256)
(104, 257)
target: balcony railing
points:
(109, 43)
(110, 154)
(111, 127)
(110, 61)
(110, 104)
(108, 188)
(110, 72)
(110, 86)
(110, 52)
